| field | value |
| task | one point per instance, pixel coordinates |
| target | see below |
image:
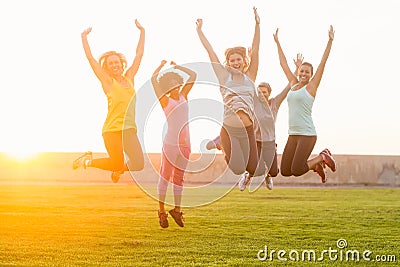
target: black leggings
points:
(116, 144)
(240, 148)
(296, 153)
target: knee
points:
(236, 170)
(137, 165)
(136, 168)
(178, 177)
(273, 173)
(286, 173)
(286, 170)
(178, 181)
(118, 166)
(297, 171)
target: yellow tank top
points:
(121, 108)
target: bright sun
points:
(21, 155)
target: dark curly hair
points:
(165, 78)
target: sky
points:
(52, 102)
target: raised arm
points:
(282, 95)
(162, 98)
(104, 78)
(133, 69)
(292, 79)
(254, 57)
(219, 70)
(315, 81)
(190, 81)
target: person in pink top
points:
(172, 93)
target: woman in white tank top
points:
(302, 135)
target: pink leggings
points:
(173, 164)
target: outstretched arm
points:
(105, 79)
(254, 57)
(132, 70)
(315, 81)
(282, 95)
(219, 70)
(190, 82)
(162, 98)
(282, 60)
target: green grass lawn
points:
(117, 225)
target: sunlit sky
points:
(51, 100)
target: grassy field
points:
(117, 225)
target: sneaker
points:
(215, 143)
(321, 172)
(81, 160)
(115, 175)
(177, 216)
(328, 160)
(244, 181)
(163, 219)
(327, 151)
(269, 182)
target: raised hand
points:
(172, 63)
(138, 25)
(276, 35)
(299, 60)
(86, 32)
(331, 33)
(199, 24)
(256, 16)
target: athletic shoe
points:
(115, 175)
(215, 143)
(178, 217)
(328, 160)
(327, 151)
(81, 160)
(269, 182)
(163, 219)
(321, 172)
(244, 181)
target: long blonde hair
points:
(242, 51)
(106, 55)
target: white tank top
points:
(238, 96)
(300, 104)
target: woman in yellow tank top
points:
(119, 129)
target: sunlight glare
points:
(21, 156)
